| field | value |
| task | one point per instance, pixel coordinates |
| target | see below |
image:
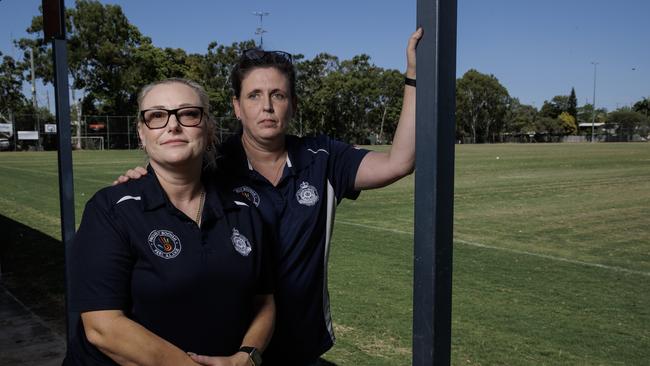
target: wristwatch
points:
(253, 354)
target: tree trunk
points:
(381, 127)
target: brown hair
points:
(274, 59)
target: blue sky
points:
(537, 49)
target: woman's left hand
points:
(238, 359)
(410, 52)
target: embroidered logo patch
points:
(249, 193)
(307, 194)
(241, 244)
(164, 244)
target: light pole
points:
(260, 30)
(593, 114)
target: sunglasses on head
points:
(256, 54)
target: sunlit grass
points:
(551, 258)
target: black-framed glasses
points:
(156, 118)
(256, 54)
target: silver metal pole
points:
(593, 115)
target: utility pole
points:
(260, 30)
(593, 115)
(37, 125)
(34, 101)
(78, 144)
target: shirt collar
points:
(153, 195)
(233, 155)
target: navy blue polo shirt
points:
(319, 173)
(193, 287)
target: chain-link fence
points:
(31, 132)
(34, 133)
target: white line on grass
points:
(522, 252)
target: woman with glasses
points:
(171, 265)
(296, 183)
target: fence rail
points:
(120, 132)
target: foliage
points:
(553, 108)
(481, 106)
(568, 124)
(628, 123)
(353, 100)
(642, 106)
(520, 118)
(572, 105)
(586, 113)
(11, 82)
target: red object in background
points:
(97, 126)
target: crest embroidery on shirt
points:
(241, 243)
(164, 244)
(307, 194)
(249, 193)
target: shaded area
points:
(324, 362)
(32, 265)
(24, 338)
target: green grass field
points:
(551, 252)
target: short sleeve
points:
(100, 263)
(344, 161)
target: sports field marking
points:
(34, 213)
(516, 251)
(53, 173)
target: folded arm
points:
(258, 335)
(128, 343)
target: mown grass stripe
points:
(515, 251)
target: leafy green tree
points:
(391, 95)
(212, 70)
(586, 111)
(520, 118)
(481, 105)
(550, 127)
(103, 44)
(12, 98)
(627, 123)
(572, 105)
(567, 123)
(553, 108)
(315, 95)
(642, 106)
(101, 54)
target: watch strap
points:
(253, 354)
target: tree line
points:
(353, 100)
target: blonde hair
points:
(210, 154)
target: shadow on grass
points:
(324, 362)
(32, 265)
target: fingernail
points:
(191, 353)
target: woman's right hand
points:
(135, 173)
(238, 359)
(410, 52)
